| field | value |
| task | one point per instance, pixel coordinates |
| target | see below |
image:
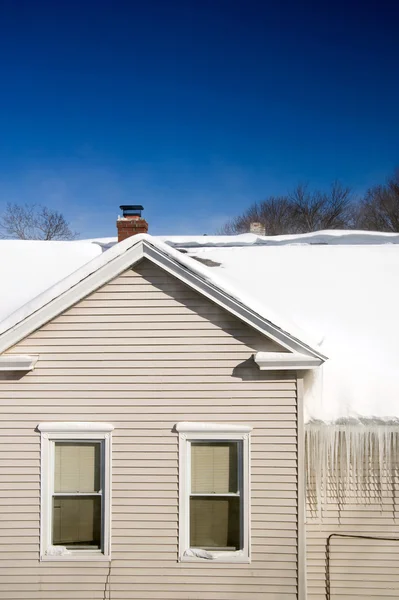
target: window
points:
(75, 491)
(214, 492)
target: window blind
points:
(77, 467)
(214, 468)
(77, 521)
(215, 522)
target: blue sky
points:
(194, 108)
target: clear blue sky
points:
(194, 108)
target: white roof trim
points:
(194, 277)
(15, 362)
(115, 261)
(193, 427)
(272, 361)
(72, 289)
(74, 427)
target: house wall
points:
(143, 353)
(357, 569)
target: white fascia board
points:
(272, 361)
(15, 362)
(75, 427)
(194, 427)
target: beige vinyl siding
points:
(359, 568)
(143, 353)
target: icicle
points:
(349, 458)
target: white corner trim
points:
(15, 362)
(75, 427)
(268, 361)
(194, 427)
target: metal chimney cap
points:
(131, 209)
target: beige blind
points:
(214, 468)
(77, 521)
(77, 467)
(215, 522)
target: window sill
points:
(215, 557)
(77, 556)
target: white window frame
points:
(212, 432)
(67, 432)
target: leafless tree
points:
(379, 210)
(300, 212)
(316, 210)
(274, 213)
(33, 222)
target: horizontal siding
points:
(143, 353)
(358, 568)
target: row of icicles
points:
(351, 462)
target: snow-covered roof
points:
(340, 288)
(28, 267)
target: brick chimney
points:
(131, 222)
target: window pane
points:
(77, 467)
(77, 521)
(214, 467)
(215, 523)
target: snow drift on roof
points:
(329, 237)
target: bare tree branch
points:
(274, 214)
(379, 210)
(300, 212)
(31, 222)
(314, 211)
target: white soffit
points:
(272, 361)
(17, 363)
